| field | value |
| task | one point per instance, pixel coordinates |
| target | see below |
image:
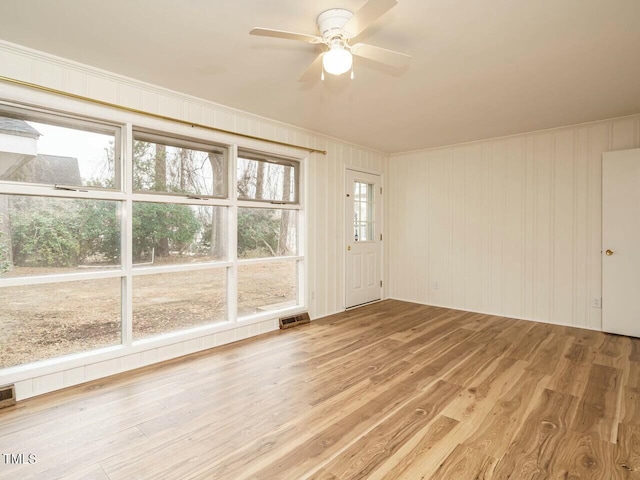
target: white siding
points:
(508, 226)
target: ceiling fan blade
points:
(382, 55)
(269, 32)
(368, 13)
(314, 71)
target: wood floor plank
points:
(630, 407)
(494, 434)
(295, 458)
(529, 456)
(371, 450)
(392, 390)
(545, 360)
(583, 456)
(472, 368)
(475, 402)
(598, 411)
(628, 451)
(528, 345)
(423, 459)
(573, 370)
(614, 351)
(634, 350)
(465, 463)
(92, 472)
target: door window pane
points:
(265, 287)
(267, 232)
(46, 321)
(46, 235)
(174, 166)
(267, 180)
(363, 216)
(50, 153)
(169, 302)
(171, 233)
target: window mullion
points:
(232, 271)
(127, 237)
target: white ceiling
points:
(480, 68)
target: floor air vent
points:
(295, 320)
(7, 396)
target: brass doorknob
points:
(609, 253)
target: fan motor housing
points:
(330, 22)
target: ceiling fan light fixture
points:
(337, 60)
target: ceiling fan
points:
(337, 28)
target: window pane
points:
(267, 232)
(169, 302)
(45, 235)
(363, 218)
(264, 180)
(42, 152)
(265, 287)
(169, 233)
(47, 321)
(175, 167)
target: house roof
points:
(57, 169)
(13, 126)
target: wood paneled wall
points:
(508, 226)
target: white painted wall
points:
(508, 226)
(324, 189)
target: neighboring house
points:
(19, 158)
(53, 169)
(18, 145)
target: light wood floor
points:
(391, 390)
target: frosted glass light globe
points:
(337, 61)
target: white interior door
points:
(364, 238)
(621, 242)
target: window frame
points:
(298, 205)
(125, 125)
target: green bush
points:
(5, 263)
(45, 237)
(257, 233)
(154, 223)
(99, 230)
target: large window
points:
(98, 250)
